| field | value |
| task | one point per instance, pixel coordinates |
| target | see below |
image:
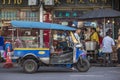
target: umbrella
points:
(101, 13)
(40, 25)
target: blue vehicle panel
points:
(80, 53)
(37, 52)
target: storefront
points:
(26, 10)
(65, 12)
(68, 12)
(15, 10)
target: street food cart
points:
(91, 49)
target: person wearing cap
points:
(107, 43)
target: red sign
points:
(47, 17)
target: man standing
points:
(108, 43)
(76, 40)
(77, 44)
(76, 34)
(1, 45)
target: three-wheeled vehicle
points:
(58, 52)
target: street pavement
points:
(53, 73)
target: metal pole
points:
(104, 31)
(113, 28)
(113, 2)
(12, 36)
(17, 33)
(41, 20)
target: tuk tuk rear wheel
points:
(30, 66)
(83, 66)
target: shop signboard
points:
(64, 2)
(16, 3)
(47, 17)
(90, 24)
(32, 2)
(94, 1)
(49, 2)
(64, 23)
(84, 2)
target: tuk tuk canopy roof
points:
(40, 25)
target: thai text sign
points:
(14, 3)
(86, 2)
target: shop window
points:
(29, 15)
(74, 14)
(67, 14)
(60, 14)
(9, 14)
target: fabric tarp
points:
(40, 25)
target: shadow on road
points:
(40, 70)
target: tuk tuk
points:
(64, 53)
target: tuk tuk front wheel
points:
(30, 66)
(83, 65)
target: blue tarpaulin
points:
(40, 25)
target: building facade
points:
(65, 12)
(70, 10)
(116, 6)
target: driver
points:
(77, 37)
(76, 34)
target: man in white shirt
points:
(77, 41)
(76, 34)
(107, 43)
